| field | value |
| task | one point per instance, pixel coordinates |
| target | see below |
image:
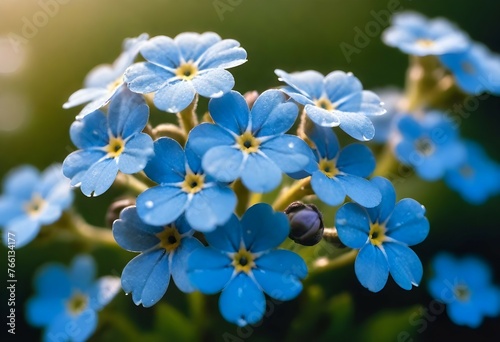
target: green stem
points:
(298, 190)
(83, 230)
(243, 195)
(187, 117)
(196, 302)
(324, 264)
(120, 323)
(386, 162)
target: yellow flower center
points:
(115, 147)
(325, 104)
(186, 71)
(77, 303)
(377, 234)
(468, 68)
(248, 143)
(461, 292)
(35, 205)
(243, 261)
(425, 146)
(115, 84)
(170, 238)
(193, 182)
(425, 42)
(467, 171)
(327, 166)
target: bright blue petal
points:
(49, 214)
(132, 234)
(263, 228)
(409, 128)
(163, 51)
(179, 266)
(357, 125)
(77, 163)
(340, 87)
(128, 114)
(210, 207)
(99, 177)
(168, 164)
(322, 117)
(147, 277)
(209, 270)
(205, 136)
(54, 187)
(282, 261)
(224, 54)
(226, 237)
(224, 163)
(230, 111)
(161, 205)
(475, 272)
(103, 291)
(371, 268)
(213, 82)
(91, 131)
(297, 96)
(381, 212)
(242, 302)
(371, 104)
(280, 286)
(357, 160)
(464, 313)
(82, 272)
(21, 181)
(25, 228)
(145, 78)
(325, 141)
(53, 281)
(329, 190)
(404, 265)
(136, 154)
(360, 190)
(271, 114)
(260, 174)
(353, 225)
(192, 45)
(40, 311)
(289, 152)
(408, 223)
(72, 328)
(309, 83)
(10, 209)
(174, 97)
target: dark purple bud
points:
(306, 223)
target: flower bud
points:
(306, 223)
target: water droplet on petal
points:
(291, 145)
(149, 204)
(365, 138)
(249, 231)
(341, 221)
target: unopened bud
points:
(306, 223)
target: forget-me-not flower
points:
(385, 125)
(250, 144)
(31, 200)
(177, 69)
(415, 34)
(337, 99)
(109, 143)
(430, 145)
(67, 299)
(242, 261)
(476, 70)
(339, 172)
(102, 82)
(183, 188)
(164, 253)
(383, 235)
(465, 286)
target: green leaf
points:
(172, 325)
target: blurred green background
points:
(291, 35)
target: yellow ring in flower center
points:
(248, 143)
(115, 147)
(324, 103)
(377, 234)
(193, 183)
(328, 167)
(77, 303)
(243, 261)
(115, 84)
(170, 239)
(426, 42)
(186, 71)
(35, 205)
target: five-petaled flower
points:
(250, 144)
(32, 200)
(242, 261)
(337, 99)
(383, 235)
(177, 69)
(67, 299)
(164, 252)
(109, 143)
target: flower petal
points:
(357, 160)
(309, 83)
(282, 261)
(91, 131)
(174, 97)
(77, 163)
(271, 114)
(322, 117)
(179, 266)
(41, 311)
(325, 141)
(136, 154)
(205, 136)
(224, 163)
(103, 291)
(145, 78)
(341, 86)
(360, 190)
(408, 223)
(82, 272)
(128, 114)
(230, 111)
(404, 265)
(260, 174)
(381, 212)
(224, 54)
(163, 51)
(329, 190)
(161, 204)
(21, 181)
(209, 270)
(213, 82)
(72, 328)
(371, 268)
(99, 177)
(289, 152)
(169, 162)
(132, 234)
(356, 125)
(353, 225)
(25, 229)
(192, 45)
(227, 236)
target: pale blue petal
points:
(357, 160)
(25, 228)
(309, 83)
(205, 136)
(179, 266)
(132, 234)
(136, 154)
(322, 117)
(210, 207)
(341, 87)
(192, 45)
(103, 291)
(209, 270)
(226, 237)
(77, 163)
(213, 82)
(260, 174)
(371, 104)
(21, 181)
(96, 104)
(360, 190)
(408, 223)
(82, 272)
(163, 51)
(384, 209)
(263, 228)
(50, 213)
(40, 311)
(128, 114)
(10, 209)
(91, 131)
(371, 268)
(168, 164)
(85, 95)
(356, 125)
(174, 97)
(224, 163)
(161, 205)
(144, 78)
(224, 54)
(271, 114)
(297, 96)
(230, 111)
(289, 152)
(353, 225)
(99, 177)
(242, 302)
(329, 190)
(54, 187)
(72, 328)
(404, 265)
(147, 277)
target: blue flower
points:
(476, 69)
(102, 82)
(335, 100)
(417, 35)
(385, 125)
(383, 235)
(465, 286)
(339, 172)
(242, 261)
(250, 144)
(67, 300)
(183, 188)
(32, 200)
(164, 252)
(430, 145)
(477, 177)
(176, 69)
(109, 143)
